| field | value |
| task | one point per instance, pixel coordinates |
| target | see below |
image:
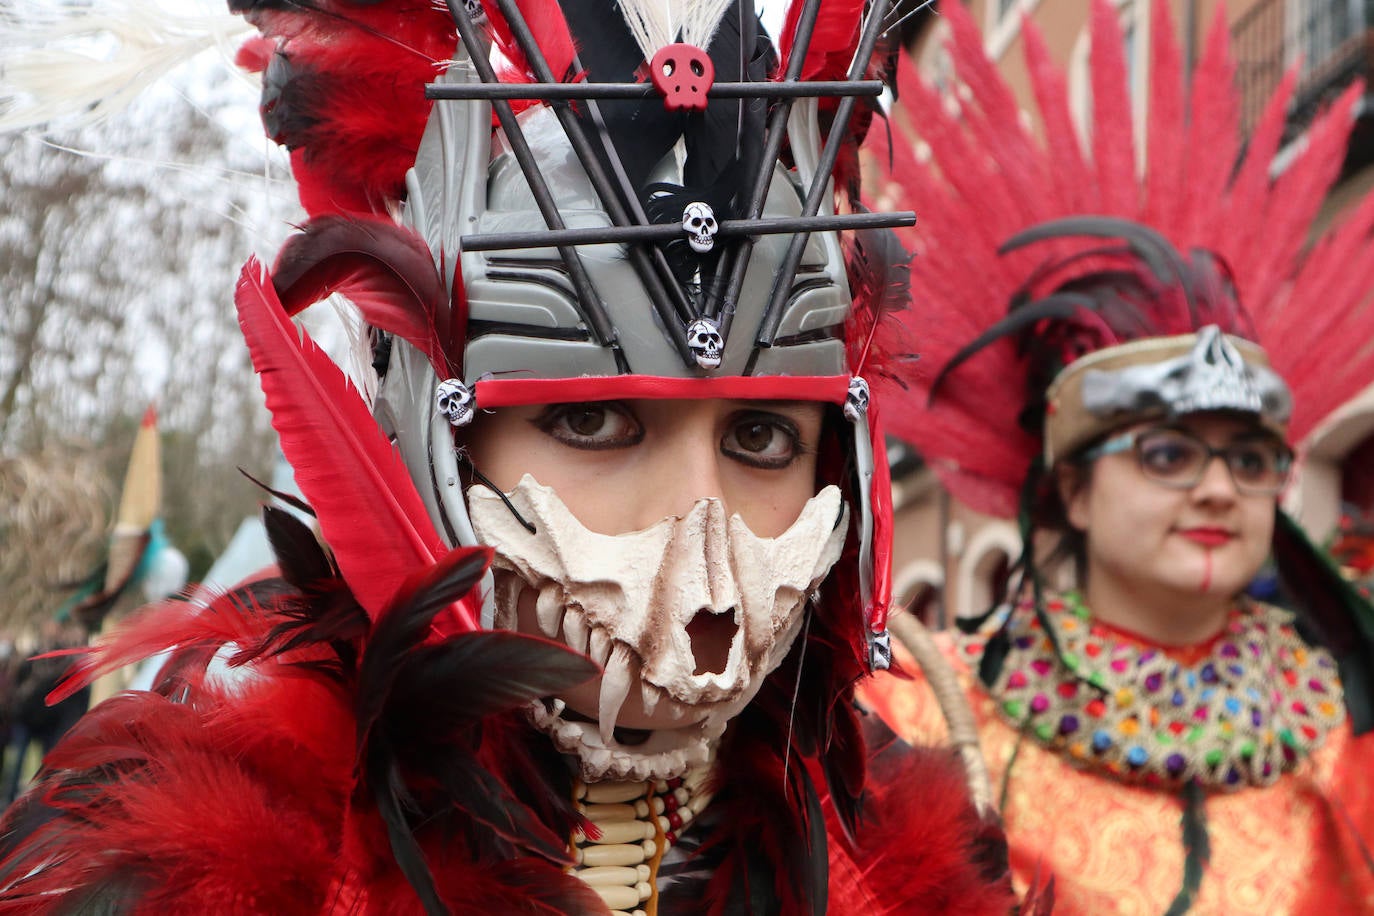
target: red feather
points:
(383, 269)
(551, 34)
(352, 98)
(1166, 130)
(159, 627)
(1113, 133)
(368, 509)
(924, 849)
(833, 41)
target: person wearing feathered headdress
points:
(596, 573)
(1125, 375)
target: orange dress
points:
(1296, 846)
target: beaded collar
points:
(1259, 702)
(636, 824)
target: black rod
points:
(665, 272)
(666, 232)
(577, 272)
(582, 147)
(582, 91)
(772, 315)
(723, 309)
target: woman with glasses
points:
(1129, 385)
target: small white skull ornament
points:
(705, 342)
(880, 651)
(475, 11)
(699, 222)
(455, 401)
(856, 401)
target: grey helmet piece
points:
(571, 270)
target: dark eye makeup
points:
(763, 439)
(591, 426)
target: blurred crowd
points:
(29, 727)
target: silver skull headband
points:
(1162, 376)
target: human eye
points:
(1168, 453)
(762, 439)
(1251, 460)
(1259, 462)
(591, 426)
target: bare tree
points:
(117, 266)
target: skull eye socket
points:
(669, 67)
(697, 68)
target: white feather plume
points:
(81, 64)
(655, 23)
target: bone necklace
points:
(636, 824)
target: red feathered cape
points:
(368, 767)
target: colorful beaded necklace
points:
(1249, 711)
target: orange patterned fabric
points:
(1291, 848)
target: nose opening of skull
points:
(711, 634)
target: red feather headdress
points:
(979, 176)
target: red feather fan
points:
(979, 176)
(250, 795)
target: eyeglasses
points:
(1179, 459)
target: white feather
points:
(655, 23)
(79, 65)
(357, 356)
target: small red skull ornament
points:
(683, 75)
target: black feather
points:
(1147, 244)
(484, 798)
(493, 671)
(1197, 848)
(302, 559)
(814, 856)
(544, 886)
(405, 623)
(1055, 307)
(293, 501)
(844, 767)
(393, 800)
(1342, 618)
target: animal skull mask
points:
(627, 600)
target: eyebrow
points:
(1258, 433)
